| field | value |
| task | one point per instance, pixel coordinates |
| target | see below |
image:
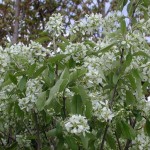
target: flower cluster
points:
(6, 91)
(69, 93)
(110, 22)
(109, 74)
(77, 124)
(101, 110)
(100, 106)
(77, 51)
(94, 74)
(4, 60)
(22, 140)
(97, 66)
(20, 53)
(87, 25)
(33, 89)
(143, 105)
(141, 141)
(39, 51)
(55, 25)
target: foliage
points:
(33, 16)
(87, 93)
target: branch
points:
(119, 145)
(112, 100)
(16, 25)
(64, 105)
(104, 136)
(39, 144)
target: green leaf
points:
(38, 72)
(57, 58)
(85, 141)
(128, 59)
(147, 127)
(73, 37)
(77, 74)
(59, 86)
(130, 9)
(111, 141)
(62, 46)
(55, 132)
(115, 79)
(76, 105)
(41, 101)
(85, 99)
(107, 48)
(31, 70)
(136, 75)
(42, 39)
(59, 129)
(13, 146)
(90, 43)
(130, 99)
(51, 133)
(132, 81)
(71, 141)
(63, 85)
(65, 40)
(65, 74)
(141, 53)
(81, 91)
(146, 3)
(88, 111)
(103, 50)
(13, 78)
(60, 144)
(126, 130)
(48, 77)
(22, 83)
(53, 91)
(123, 26)
(122, 3)
(18, 111)
(71, 63)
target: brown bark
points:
(16, 24)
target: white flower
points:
(101, 110)
(55, 25)
(76, 50)
(39, 51)
(4, 60)
(33, 89)
(77, 124)
(22, 140)
(88, 25)
(142, 141)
